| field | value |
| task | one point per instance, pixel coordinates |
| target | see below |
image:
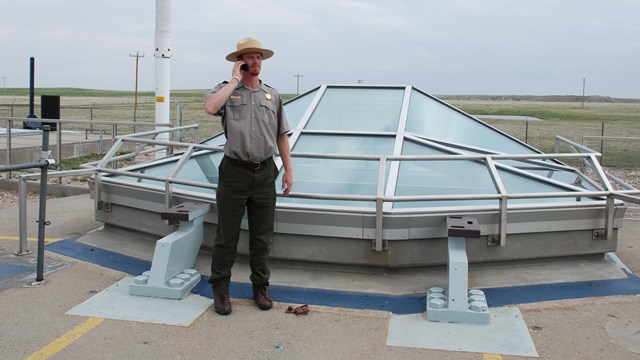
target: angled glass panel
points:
(565, 176)
(342, 177)
(432, 119)
(518, 184)
(463, 177)
(345, 144)
(552, 171)
(295, 108)
(441, 178)
(337, 176)
(200, 168)
(358, 109)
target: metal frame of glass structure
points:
(377, 170)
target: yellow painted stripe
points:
(491, 357)
(16, 238)
(65, 340)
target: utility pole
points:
(583, 86)
(135, 104)
(298, 76)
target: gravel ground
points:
(632, 177)
(9, 198)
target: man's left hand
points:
(287, 183)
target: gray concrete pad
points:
(115, 303)
(506, 333)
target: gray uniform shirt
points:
(252, 121)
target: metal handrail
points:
(22, 199)
(502, 195)
(60, 122)
(100, 167)
(87, 171)
(610, 138)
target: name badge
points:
(267, 96)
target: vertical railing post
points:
(59, 148)
(22, 214)
(44, 156)
(8, 154)
(379, 204)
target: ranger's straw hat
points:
(249, 45)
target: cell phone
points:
(244, 67)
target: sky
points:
(444, 47)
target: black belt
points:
(251, 165)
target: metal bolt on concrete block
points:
(141, 279)
(184, 277)
(478, 306)
(437, 296)
(191, 272)
(435, 290)
(437, 304)
(147, 273)
(176, 283)
(475, 292)
(473, 298)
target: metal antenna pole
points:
(135, 104)
(32, 72)
(298, 76)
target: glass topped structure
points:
(387, 164)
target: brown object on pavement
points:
(300, 310)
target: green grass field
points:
(569, 119)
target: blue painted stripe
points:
(9, 270)
(109, 259)
(572, 290)
(398, 304)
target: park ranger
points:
(256, 129)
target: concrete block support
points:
(171, 275)
(459, 304)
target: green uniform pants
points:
(241, 188)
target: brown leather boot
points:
(262, 297)
(222, 304)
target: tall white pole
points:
(163, 67)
